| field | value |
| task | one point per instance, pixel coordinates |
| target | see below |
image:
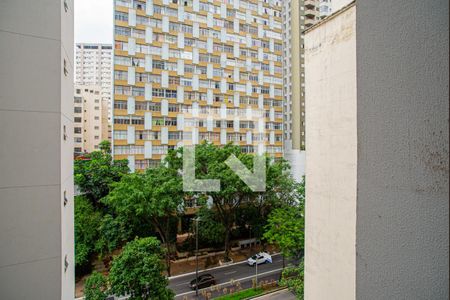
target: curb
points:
(266, 293)
(228, 282)
(214, 268)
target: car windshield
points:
(254, 257)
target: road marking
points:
(184, 283)
(225, 283)
(228, 273)
(215, 268)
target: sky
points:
(93, 21)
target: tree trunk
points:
(227, 244)
(167, 237)
(164, 237)
(168, 259)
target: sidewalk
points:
(280, 295)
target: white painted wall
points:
(331, 155)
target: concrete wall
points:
(36, 236)
(403, 188)
(377, 167)
(330, 57)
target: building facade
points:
(377, 159)
(93, 66)
(298, 15)
(90, 119)
(36, 153)
(193, 70)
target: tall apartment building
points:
(90, 119)
(193, 70)
(93, 66)
(325, 8)
(297, 16)
(36, 160)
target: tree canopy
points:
(285, 227)
(96, 287)
(150, 199)
(96, 171)
(138, 271)
(86, 222)
(212, 230)
(294, 279)
(210, 163)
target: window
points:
(77, 110)
(77, 129)
(120, 135)
(121, 120)
(77, 120)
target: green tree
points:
(96, 171)
(293, 278)
(105, 146)
(285, 227)
(138, 271)
(87, 221)
(211, 229)
(286, 224)
(113, 233)
(96, 287)
(210, 164)
(154, 198)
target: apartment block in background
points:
(177, 63)
(93, 67)
(36, 152)
(377, 152)
(297, 16)
(90, 119)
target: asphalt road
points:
(239, 271)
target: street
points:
(238, 271)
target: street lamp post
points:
(256, 270)
(196, 256)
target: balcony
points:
(310, 4)
(309, 22)
(310, 13)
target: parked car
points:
(259, 258)
(204, 280)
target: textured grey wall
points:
(36, 102)
(403, 147)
